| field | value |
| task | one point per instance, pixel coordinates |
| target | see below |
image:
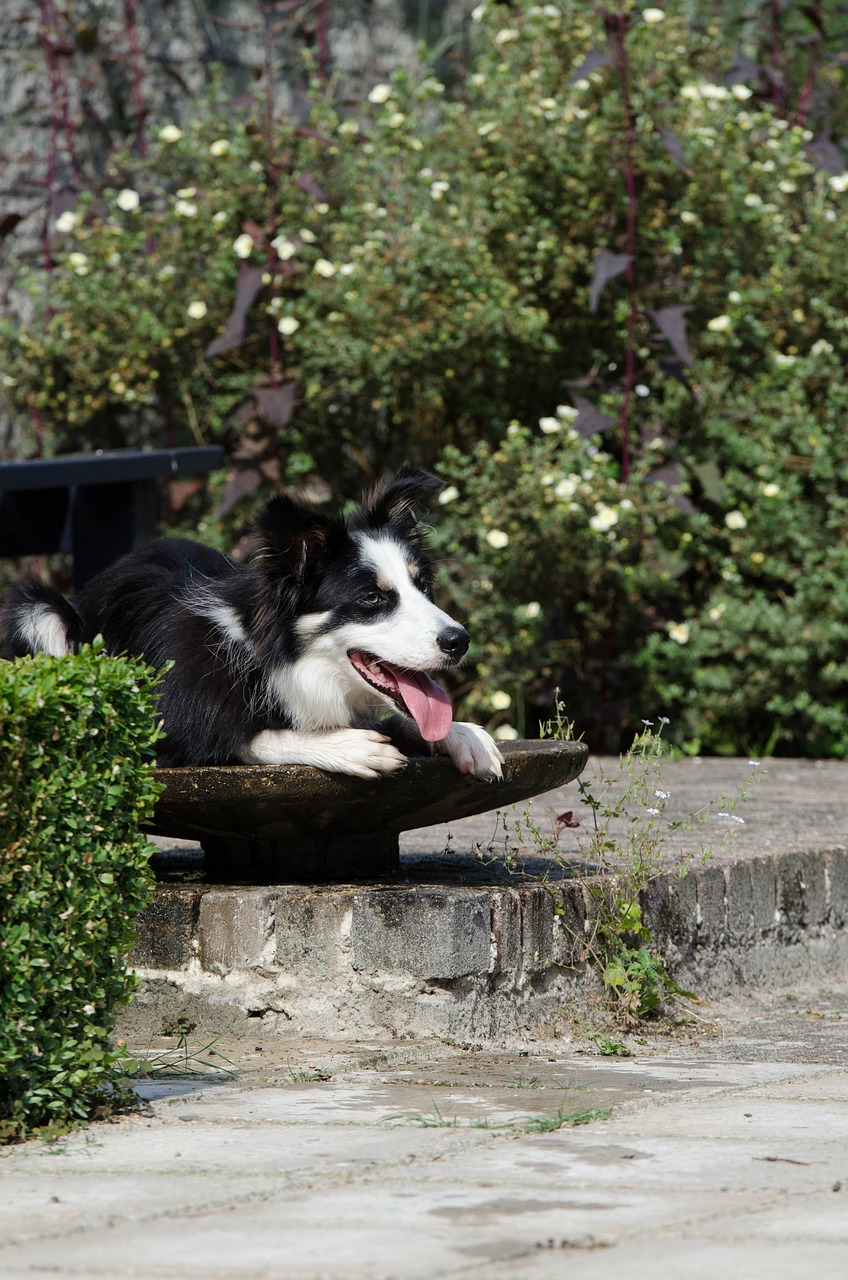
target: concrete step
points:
(491, 943)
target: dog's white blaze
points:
(43, 631)
(410, 636)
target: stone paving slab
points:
(725, 1145)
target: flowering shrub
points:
(563, 569)
(615, 213)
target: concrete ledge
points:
(471, 962)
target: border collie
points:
(319, 651)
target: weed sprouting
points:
(622, 851)
(181, 1062)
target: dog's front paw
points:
(472, 751)
(364, 753)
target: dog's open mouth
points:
(412, 692)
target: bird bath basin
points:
(295, 823)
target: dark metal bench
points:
(97, 506)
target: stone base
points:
(472, 962)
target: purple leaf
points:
(594, 59)
(674, 147)
(8, 222)
(607, 266)
(237, 485)
(824, 152)
(669, 476)
(248, 284)
(277, 403)
(589, 421)
(671, 322)
(312, 188)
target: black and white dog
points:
(304, 656)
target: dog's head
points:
(359, 591)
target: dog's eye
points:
(371, 599)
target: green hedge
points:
(75, 783)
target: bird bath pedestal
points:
(296, 824)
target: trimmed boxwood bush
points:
(76, 782)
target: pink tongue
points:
(427, 703)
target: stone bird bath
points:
(295, 823)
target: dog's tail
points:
(36, 619)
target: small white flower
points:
(89, 1009)
(714, 92)
(448, 495)
(197, 310)
(784, 360)
(307, 236)
(170, 133)
(128, 200)
(322, 207)
(219, 147)
(604, 518)
(821, 348)
(787, 186)
(505, 733)
(186, 209)
(256, 166)
(66, 221)
(720, 324)
(243, 245)
(752, 200)
(478, 13)
(395, 120)
(186, 193)
(733, 818)
(741, 92)
(348, 128)
(287, 325)
(641, 390)
(839, 182)
(568, 486)
(679, 632)
(78, 259)
(348, 268)
(653, 16)
(550, 425)
(506, 36)
(380, 93)
(688, 217)
(532, 609)
(716, 612)
(325, 268)
(662, 795)
(734, 296)
(500, 700)
(566, 412)
(735, 520)
(438, 189)
(285, 248)
(655, 813)
(220, 217)
(771, 490)
(497, 538)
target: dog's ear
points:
(393, 500)
(295, 540)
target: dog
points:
(319, 651)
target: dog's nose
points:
(454, 641)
